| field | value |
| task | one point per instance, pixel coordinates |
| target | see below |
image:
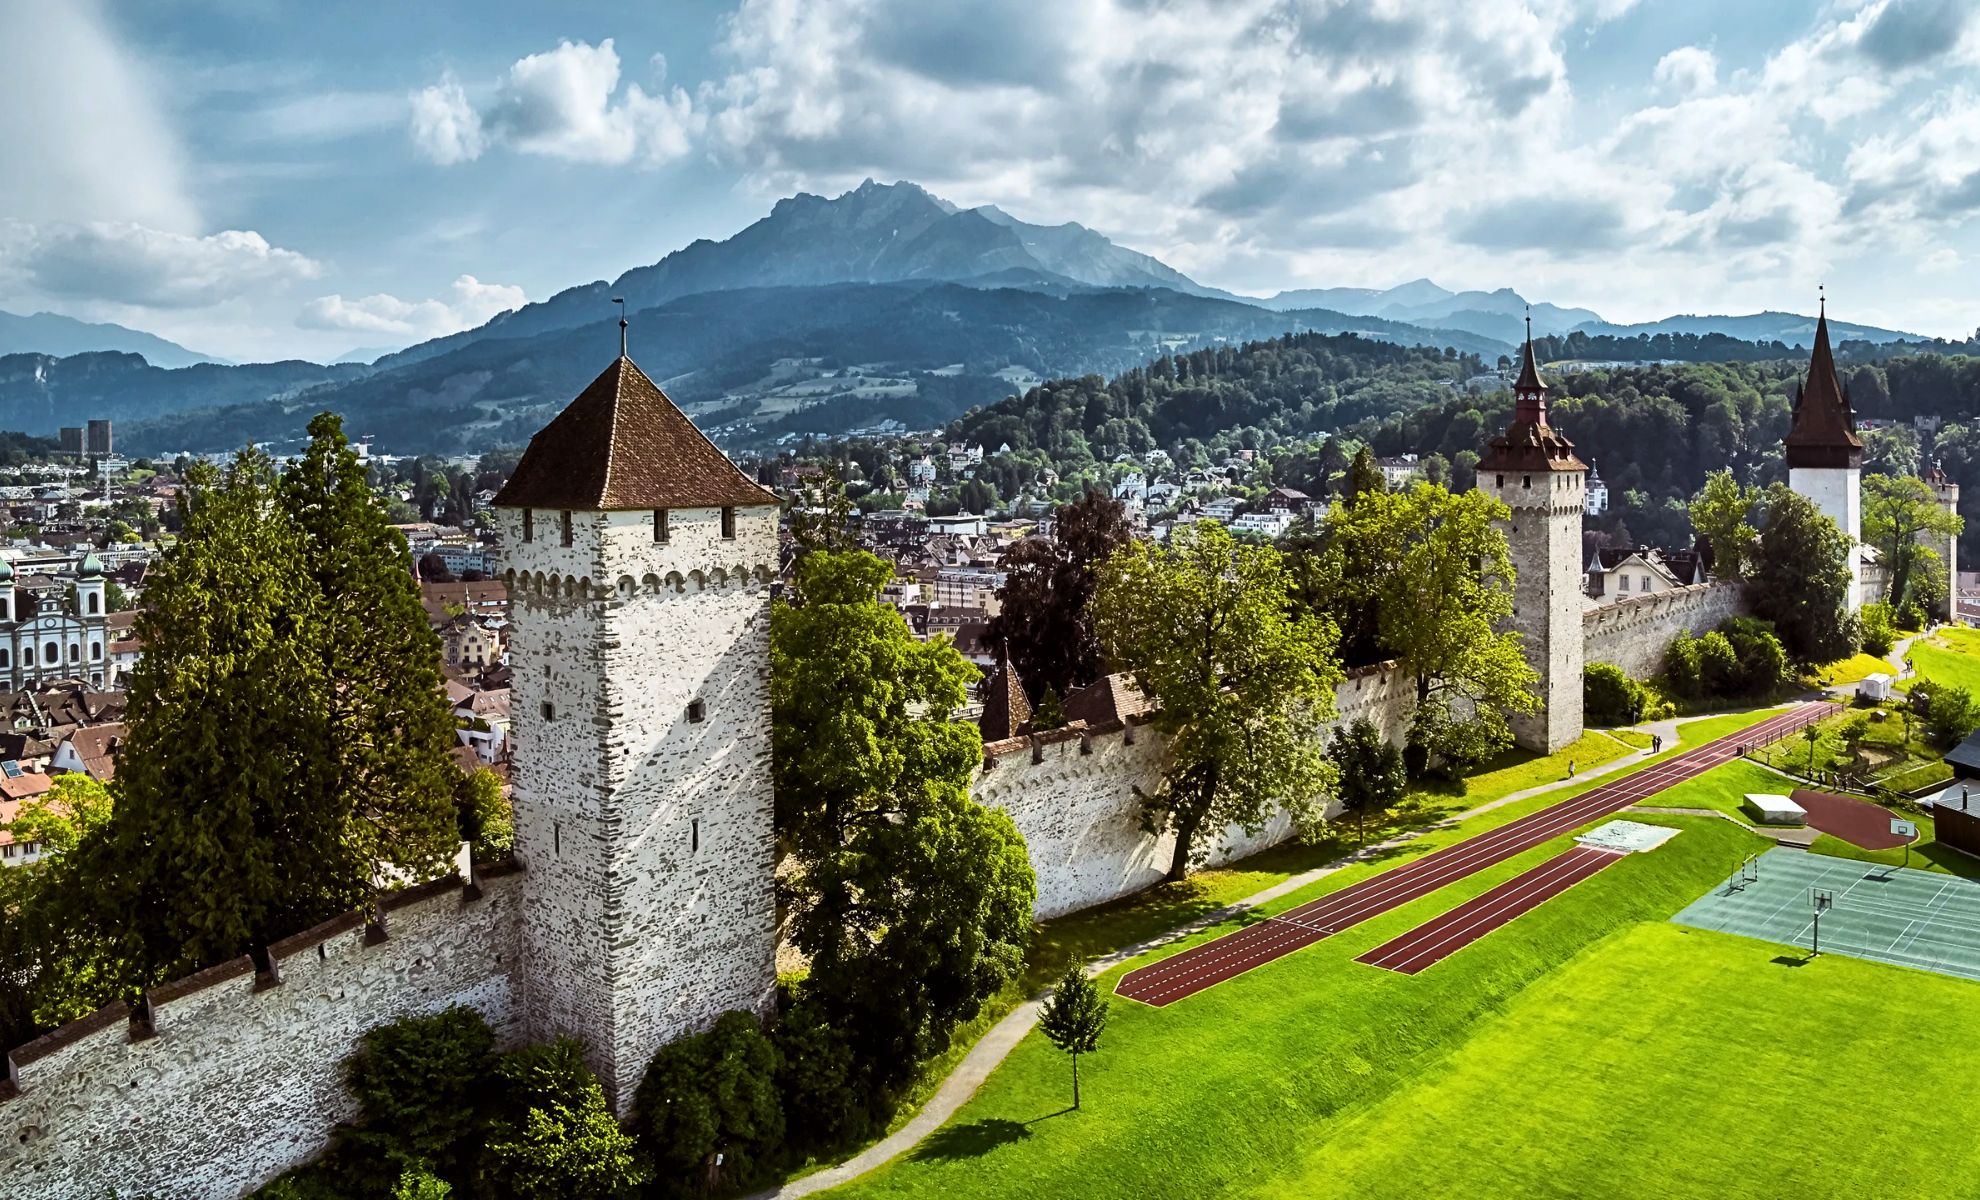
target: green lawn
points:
(1724, 788)
(1950, 656)
(1631, 737)
(1853, 670)
(1229, 1089)
(1145, 915)
(1677, 1062)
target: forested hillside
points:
(1260, 393)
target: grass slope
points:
(1224, 1090)
(1676, 1063)
(1950, 656)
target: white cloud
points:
(445, 127)
(469, 303)
(82, 135)
(122, 262)
(563, 103)
(1687, 71)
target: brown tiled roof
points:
(98, 747)
(1107, 699)
(1005, 708)
(623, 445)
(1824, 429)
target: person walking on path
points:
(1570, 768)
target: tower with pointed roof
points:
(639, 561)
(1824, 455)
(1532, 469)
(1947, 493)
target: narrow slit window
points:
(729, 523)
(659, 525)
(529, 524)
(549, 711)
(694, 837)
(564, 519)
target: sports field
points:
(1886, 914)
(1590, 1047)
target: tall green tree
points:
(1074, 1017)
(1430, 571)
(1371, 772)
(1045, 620)
(1904, 521)
(384, 731)
(1364, 477)
(1800, 578)
(1722, 514)
(712, 1094)
(911, 900)
(220, 839)
(1243, 677)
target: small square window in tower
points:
(549, 711)
(697, 711)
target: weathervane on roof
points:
(1822, 299)
(621, 302)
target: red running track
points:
(1191, 971)
(1436, 940)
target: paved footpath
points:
(991, 1050)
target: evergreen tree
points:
(385, 728)
(1364, 477)
(219, 840)
(1044, 621)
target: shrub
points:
(824, 1105)
(418, 1183)
(419, 1085)
(1763, 660)
(1879, 629)
(1609, 697)
(716, 1091)
(1718, 666)
(1950, 714)
(552, 1138)
(1681, 667)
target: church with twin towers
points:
(1532, 468)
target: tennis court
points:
(1886, 914)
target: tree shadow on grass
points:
(954, 1142)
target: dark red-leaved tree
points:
(1043, 624)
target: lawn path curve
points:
(993, 1047)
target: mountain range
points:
(51, 334)
(885, 302)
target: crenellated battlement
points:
(1633, 634)
(214, 1083)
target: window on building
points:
(549, 711)
(659, 525)
(96, 652)
(1646, 583)
(697, 711)
(1622, 583)
(75, 652)
(7, 851)
(564, 524)
(729, 523)
(1526, 481)
(95, 603)
(5, 658)
(1502, 480)
(51, 653)
(27, 656)
(694, 837)
(529, 524)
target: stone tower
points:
(1532, 470)
(639, 564)
(1947, 493)
(1824, 455)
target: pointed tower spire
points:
(1529, 392)
(1823, 434)
(1529, 443)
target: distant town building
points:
(97, 438)
(46, 636)
(1598, 492)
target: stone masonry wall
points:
(1633, 634)
(225, 1079)
(1071, 793)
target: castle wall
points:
(1633, 634)
(234, 1077)
(1071, 792)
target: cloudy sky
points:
(257, 178)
